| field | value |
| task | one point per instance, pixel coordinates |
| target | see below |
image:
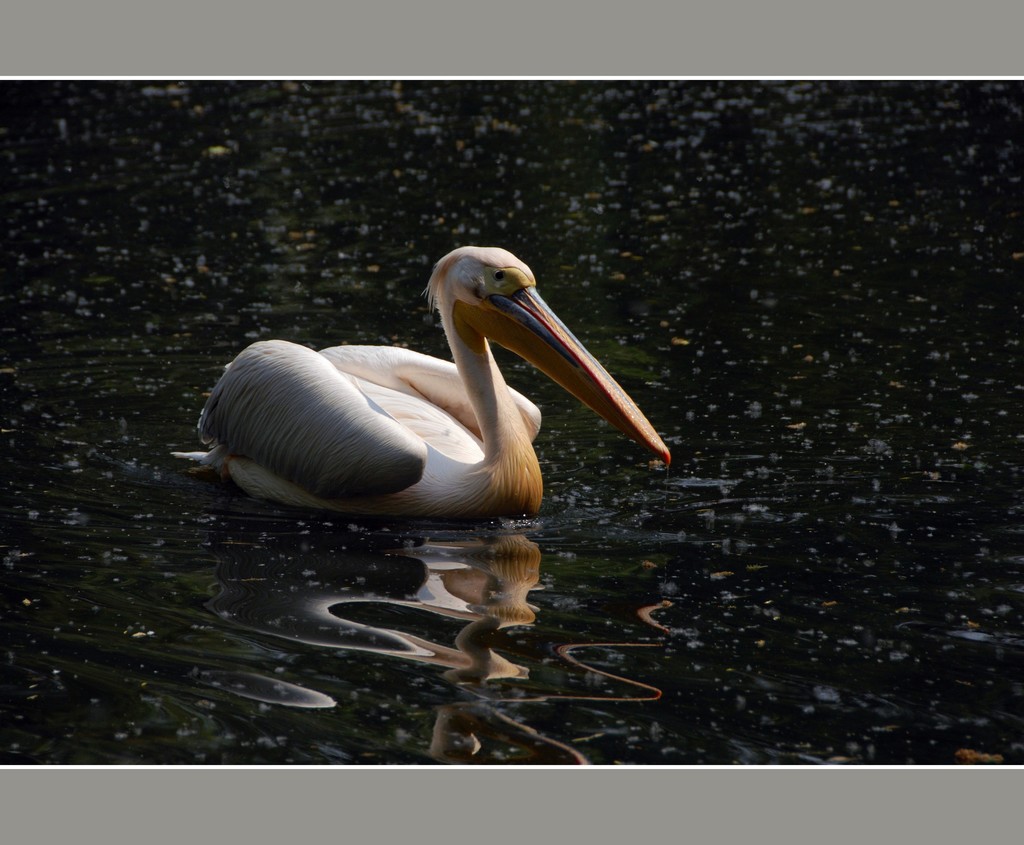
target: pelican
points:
(373, 430)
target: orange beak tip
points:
(663, 460)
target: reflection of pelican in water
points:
(381, 430)
(483, 583)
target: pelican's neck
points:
(510, 470)
(501, 425)
(509, 474)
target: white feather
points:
(288, 409)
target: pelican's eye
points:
(505, 281)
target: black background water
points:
(813, 290)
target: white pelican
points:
(370, 430)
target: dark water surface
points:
(814, 291)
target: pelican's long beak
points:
(523, 323)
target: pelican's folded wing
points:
(290, 410)
(416, 374)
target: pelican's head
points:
(486, 292)
(472, 273)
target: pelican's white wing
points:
(422, 377)
(291, 411)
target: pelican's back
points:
(291, 411)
